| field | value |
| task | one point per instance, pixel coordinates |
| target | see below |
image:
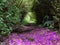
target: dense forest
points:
(16, 15)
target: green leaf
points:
(29, 18)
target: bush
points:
(11, 12)
(9, 16)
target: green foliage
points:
(50, 8)
(3, 1)
(11, 12)
(29, 18)
(56, 12)
(9, 16)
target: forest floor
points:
(37, 36)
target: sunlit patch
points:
(58, 43)
(29, 18)
(20, 39)
(33, 44)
